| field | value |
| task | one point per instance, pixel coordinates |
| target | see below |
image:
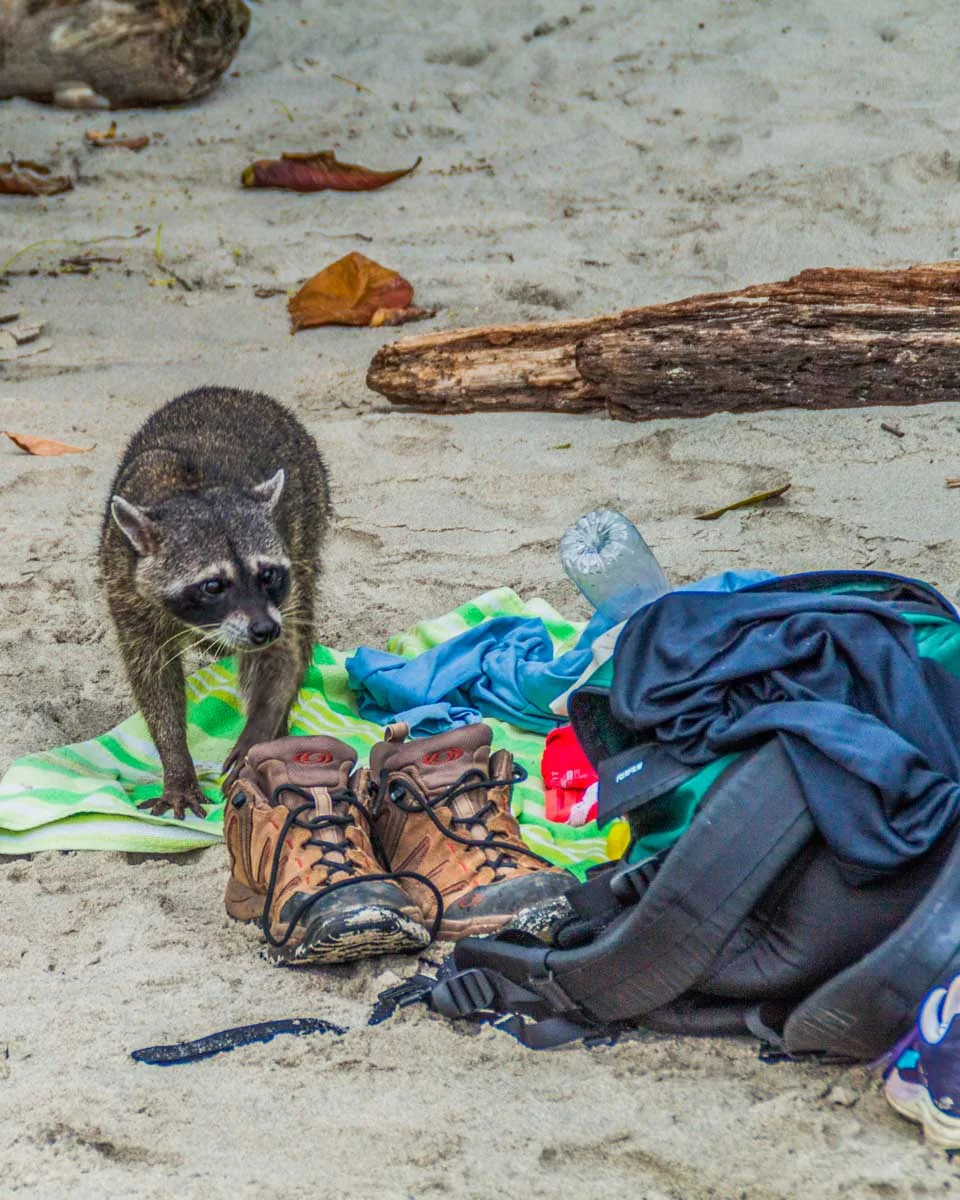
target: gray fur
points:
(215, 482)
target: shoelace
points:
(317, 823)
(408, 797)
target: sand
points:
(629, 154)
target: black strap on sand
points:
(416, 988)
(229, 1039)
(482, 996)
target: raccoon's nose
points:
(262, 632)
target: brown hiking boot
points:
(441, 810)
(302, 861)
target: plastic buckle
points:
(412, 990)
(464, 994)
(418, 987)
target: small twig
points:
(464, 169)
(953, 481)
(83, 264)
(352, 83)
(109, 137)
(112, 237)
(891, 429)
(172, 276)
(283, 108)
(340, 237)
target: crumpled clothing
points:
(871, 728)
(505, 668)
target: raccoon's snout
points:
(247, 633)
(261, 633)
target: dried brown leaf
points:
(747, 502)
(31, 179)
(318, 172)
(354, 291)
(45, 447)
(110, 137)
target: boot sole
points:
(453, 931)
(362, 933)
(536, 917)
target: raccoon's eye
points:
(270, 576)
(213, 587)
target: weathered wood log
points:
(828, 338)
(117, 53)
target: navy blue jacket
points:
(870, 727)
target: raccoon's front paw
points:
(252, 735)
(178, 797)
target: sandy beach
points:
(576, 160)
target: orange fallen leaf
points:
(399, 316)
(109, 137)
(45, 447)
(31, 179)
(318, 172)
(354, 291)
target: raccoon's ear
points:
(142, 533)
(269, 491)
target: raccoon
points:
(211, 539)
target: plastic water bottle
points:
(608, 560)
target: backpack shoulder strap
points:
(751, 824)
(860, 1012)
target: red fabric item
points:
(566, 773)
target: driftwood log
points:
(830, 338)
(117, 53)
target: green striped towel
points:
(85, 796)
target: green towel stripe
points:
(119, 751)
(105, 833)
(66, 770)
(323, 656)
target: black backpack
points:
(747, 923)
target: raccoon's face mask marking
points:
(239, 608)
(216, 562)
